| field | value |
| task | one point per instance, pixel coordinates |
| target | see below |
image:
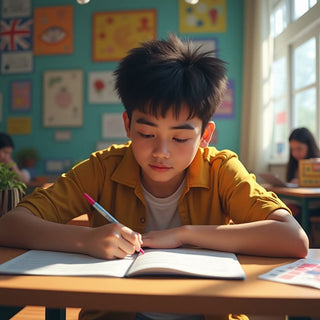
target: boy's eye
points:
(180, 140)
(143, 135)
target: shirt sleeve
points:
(243, 199)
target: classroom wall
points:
(84, 139)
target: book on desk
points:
(188, 262)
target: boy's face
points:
(164, 147)
(5, 155)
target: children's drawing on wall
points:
(53, 30)
(16, 34)
(205, 16)
(114, 33)
(16, 45)
(16, 8)
(21, 95)
(63, 98)
(19, 125)
(102, 87)
(112, 126)
(57, 166)
(226, 109)
(16, 62)
(206, 45)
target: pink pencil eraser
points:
(91, 201)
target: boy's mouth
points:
(159, 167)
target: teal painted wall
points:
(84, 139)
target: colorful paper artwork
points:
(57, 166)
(16, 8)
(114, 33)
(53, 30)
(21, 125)
(226, 109)
(16, 34)
(101, 87)
(63, 98)
(206, 45)
(205, 16)
(21, 95)
(16, 62)
(112, 126)
(16, 45)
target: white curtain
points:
(257, 118)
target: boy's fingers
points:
(131, 240)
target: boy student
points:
(166, 187)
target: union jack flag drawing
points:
(16, 34)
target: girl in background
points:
(302, 146)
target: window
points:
(300, 7)
(295, 72)
(304, 85)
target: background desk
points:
(180, 295)
(303, 195)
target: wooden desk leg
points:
(55, 314)
(7, 313)
(305, 215)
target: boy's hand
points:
(112, 241)
(170, 238)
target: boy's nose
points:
(161, 149)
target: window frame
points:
(296, 33)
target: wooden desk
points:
(180, 295)
(304, 195)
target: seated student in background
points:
(302, 145)
(166, 186)
(6, 149)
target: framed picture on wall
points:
(112, 126)
(116, 32)
(63, 98)
(206, 44)
(21, 95)
(205, 16)
(53, 30)
(16, 8)
(226, 109)
(16, 62)
(57, 166)
(102, 87)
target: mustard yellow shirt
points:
(218, 188)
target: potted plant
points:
(11, 188)
(27, 157)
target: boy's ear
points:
(207, 134)
(126, 122)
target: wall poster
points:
(63, 98)
(53, 30)
(21, 95)
(114, 33)
(205, 16)
(102, 87)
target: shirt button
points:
(142, 220)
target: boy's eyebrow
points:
(187, 126)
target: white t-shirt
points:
(162, 213)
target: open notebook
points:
(177, 262)
(274, 180)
